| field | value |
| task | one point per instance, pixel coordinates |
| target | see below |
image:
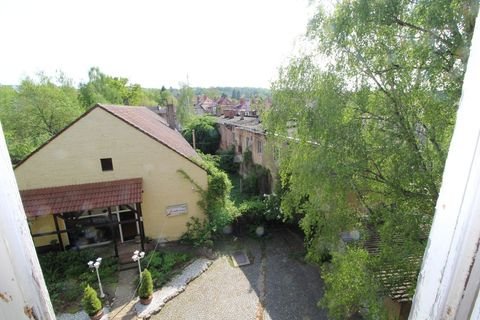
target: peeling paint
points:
(471, 265)
(449, 311)
(29, 312)
(6, 297)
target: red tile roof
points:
(142, 119)
(39, 202)
(153, 125)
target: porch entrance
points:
(92, 227)
(93, 214)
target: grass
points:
(66, 274)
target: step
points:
(127, 266)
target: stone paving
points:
(172, 288)
(277, 285)
(123, 306)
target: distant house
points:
(245, 133)
(205, 105)
(110, 176)
(222, 104)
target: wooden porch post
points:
(59, 235)
(114, 231)
(140, 224)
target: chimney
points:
(229, 113)
(171, 116)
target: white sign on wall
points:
(177, 210)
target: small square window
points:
(107, 164)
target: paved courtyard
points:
(276, 285)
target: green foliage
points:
(199, 233)
(90, 302)
(207, 137)
(145, 290)
(36, 111)
(272, 203)
(162, 265)
(184, 110)
(102, 88)
(257, 210)
(66, 273)
(215, 201)
(350, 287)
(252, 211)
(226, 160)
(257, 180)
(369, 130)
(161, 97)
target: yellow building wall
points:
(46, 224)
(74, 156)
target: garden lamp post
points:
(96, 265)
(137, 256)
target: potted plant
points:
(145, 292)
(91, 304)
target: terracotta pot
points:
(146, 301)
(98, 315)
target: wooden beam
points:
(114, 231)
(140, 224)
(41, 234)
(59, 235)
(130, 207)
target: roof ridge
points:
(184, 149)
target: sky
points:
(152, 42)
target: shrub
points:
(66, 274)
(350, 286)
(215, 201)
(258, 211)
(146, 285)
(90, 302)
(198, 233)
(161, 265)
(252, 211)
(257, 180)
(227, 160)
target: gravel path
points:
(277, 285)
(173, 288)
(293, 287)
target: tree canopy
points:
(39, 109)
(207, 137)
(369, 114)
(184, 108)
(104, 88)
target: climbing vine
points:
(215, 201)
